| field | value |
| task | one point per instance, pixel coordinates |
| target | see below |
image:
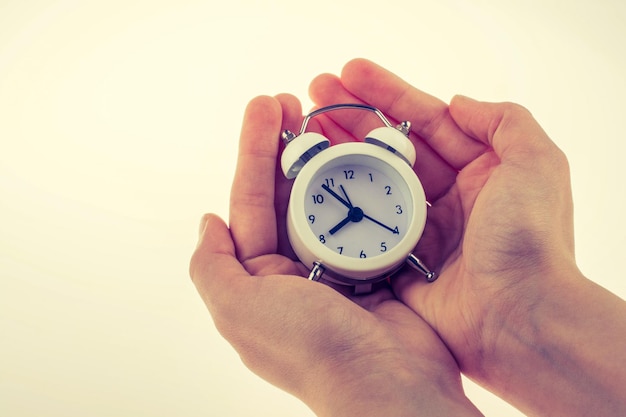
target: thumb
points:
(214, 268)
(508, 128)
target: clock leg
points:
(317, 271)
(419, 265)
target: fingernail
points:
(462, 97)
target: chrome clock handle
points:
(298, 153)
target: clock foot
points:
(419, 265)
(317, 271)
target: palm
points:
(461, 230)
(375, 319)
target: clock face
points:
(358, 207)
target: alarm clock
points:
(356, 210)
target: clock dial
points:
(356, 210)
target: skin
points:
(510, 309)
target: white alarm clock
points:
(356, 210)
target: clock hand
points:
(345, 194)
(394, 231)
(337, 196)
(354, 215)
(340, 225)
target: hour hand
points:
(340, 225)
(354, 215)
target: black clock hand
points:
(340, 225)
(394, 231)
(354, 215)
(345, 194)
(337, 196)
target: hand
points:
(342, 357)
(500, 233)
(487, 214)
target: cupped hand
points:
(340, 356)
(501, 216)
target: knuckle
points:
(195, 263)
(516, 108)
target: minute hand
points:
(337, 196)
(394, 231)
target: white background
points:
(118, 129)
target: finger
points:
(333, 131)
(508, 128)
(429, 116)
(252, 215)
(435, 173)
(292, 114)
(225, 285)
(291, 120)
(428, 300)
(291, 111)
(401, 101)
(214, 268)
(327, 89)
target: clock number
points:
(398, 209)
(362, 255)
(383, 246)
(349, 174)
(388, 189)
(330, 182)
(312, 219)
(322, 239)
(318, 198)
(396, 231)
(340, 249)
(371, 177)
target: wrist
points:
(367, 389)
(560, 350)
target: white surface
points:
(118, 129)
